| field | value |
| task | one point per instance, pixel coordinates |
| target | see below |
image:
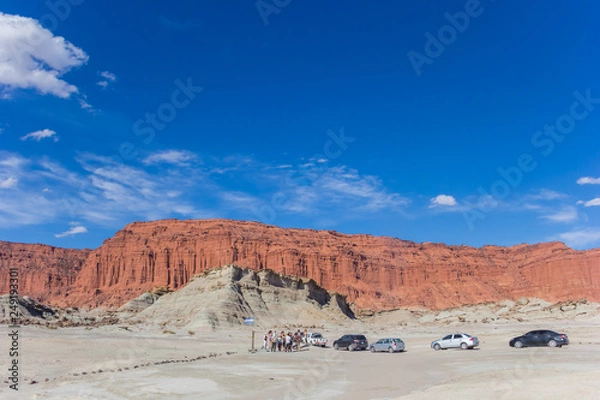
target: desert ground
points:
(144, 361)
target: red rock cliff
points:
(45, 272)
(375, 272)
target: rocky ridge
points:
(226, 296)
(378, 273)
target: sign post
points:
(250, 321)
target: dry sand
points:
(494, 371)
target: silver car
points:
(456, 340)
(390, 345)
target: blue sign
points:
(249, 321)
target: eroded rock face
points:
(45, 272)
(378, 273)
(226, 296)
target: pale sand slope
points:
(495, 371)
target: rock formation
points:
(45, 272)
(226, 296)
(377, 273)
(374, 272)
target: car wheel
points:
(437, 346)
(352, 347)
(372, 349)
(335, 346)
(552, 343)
(390, 350)
(464, 346)
(518, 344)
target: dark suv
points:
(540, 338)
(351, 342)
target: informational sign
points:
(249, 321)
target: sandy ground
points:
(58, 358)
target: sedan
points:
(455, 340)
(540, 338)
(391, 345)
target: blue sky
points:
(464, 122)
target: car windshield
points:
(316, 335)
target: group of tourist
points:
(287, 342)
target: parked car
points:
(540, 338)
(390, 345)
(315, 339)
(455, 340)
(351, 342)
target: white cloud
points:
(590, 203)
(175, 157)
(28, 204)
(102, 192)
(313, 190)
(72, 231)
(115, 191)
(31, 57)
(11, 161)
(109, 77)
(39, 135)
(545, 195)
(8, 182)
(442, 200)
(106, 192)
(587, 180)
(347, 185)
(581, 238)
(565, 215)
(84, 104)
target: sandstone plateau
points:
(378, 273)
(45, 272)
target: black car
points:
(540, 338)
(351, 342)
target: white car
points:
(316, 339)
(390, 345)
(455, 340)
